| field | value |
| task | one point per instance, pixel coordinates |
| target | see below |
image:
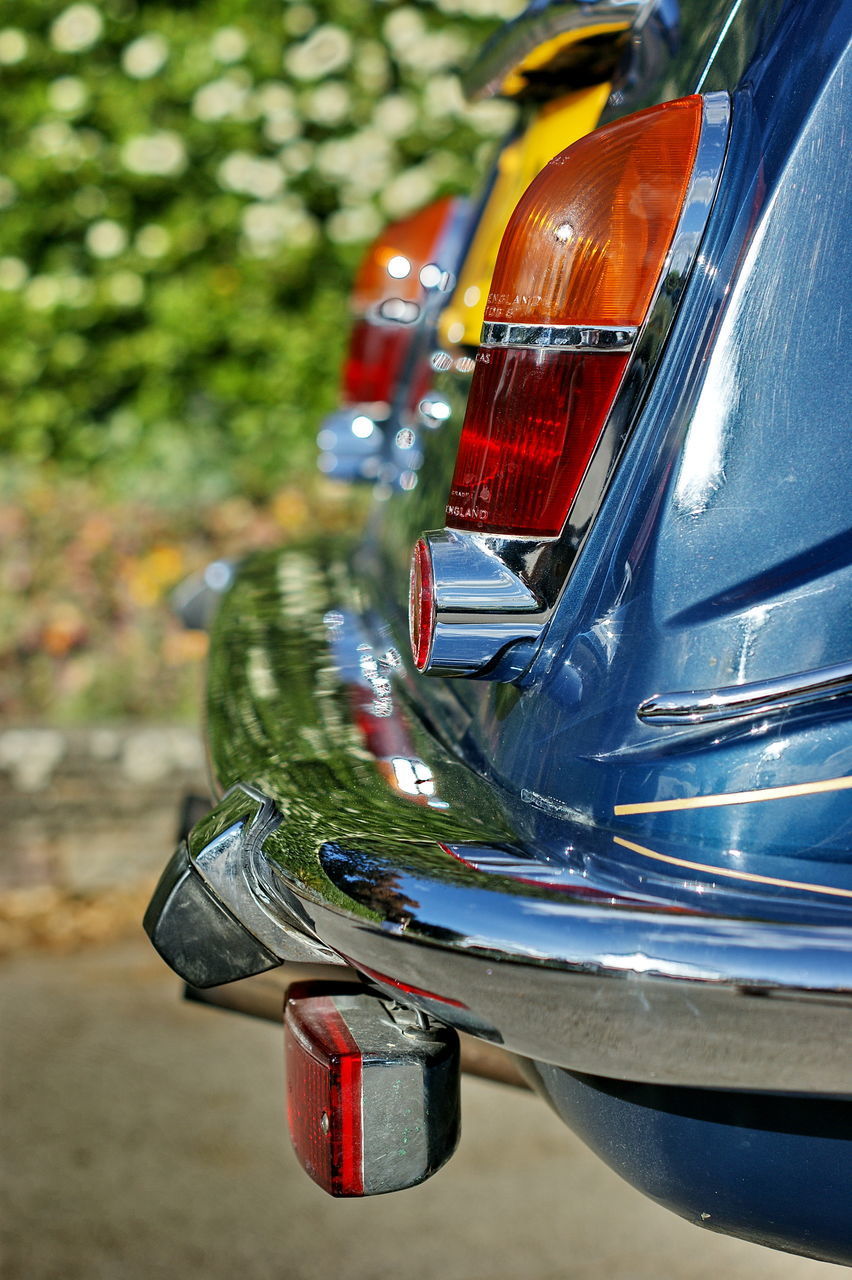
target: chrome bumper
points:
(332, 845)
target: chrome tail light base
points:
(493, 592)
(481, 605)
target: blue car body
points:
(624, 852)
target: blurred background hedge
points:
(185, 190)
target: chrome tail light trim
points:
(563, 337)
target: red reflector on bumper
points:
(323, 1065)
(372, 1095)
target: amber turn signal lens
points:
(392, 265)
(588, 239)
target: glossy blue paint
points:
(776, 1170)
(721, 554)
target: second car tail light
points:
(398, 268)
(373, 362)
(578, 268)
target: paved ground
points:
(145, 1138)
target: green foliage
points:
(184, 192)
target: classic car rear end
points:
(597, 811)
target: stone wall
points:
(89, 819)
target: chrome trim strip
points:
(564, 337)
(629, 993)
(762, 697)
(617, 989)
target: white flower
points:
(496, 8)
(299, 19)
(267, 226)
(327, 49)
(106, 239)
(493, 118)
(277, 103)
(153, 241)
(13, 46)
(162, 154)
(351, 225)
(125, 288)
(346, 157)
(13, 274)
(228, 45)
(220, 100)
(146, 56)
(68, 94)
(76, 291)
(443, 97)
(408, 191)
(52, 138)
(8, 192)
(251, 175)
(445, 167)
(275, 98)
(279, 129)
(395, 115)
(328, 104)
(296, 158)
(42, 293)
(371, 67)
(404, 30)
(434, 52)
(483, 8)
(76, 29)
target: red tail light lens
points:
(526, 475)
(584, 251)
(388, 293)
(374, 362)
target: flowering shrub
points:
(183, 193)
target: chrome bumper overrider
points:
(330, 841)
